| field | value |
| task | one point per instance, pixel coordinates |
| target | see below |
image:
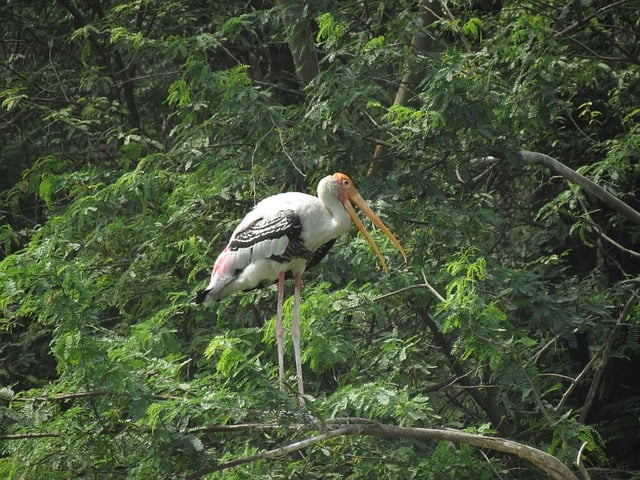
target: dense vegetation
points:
(135, 134)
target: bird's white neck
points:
(330, 196)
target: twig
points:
(235, 427)
(580, 464)
(463, 39)
(253, 169)
(539, 353)
(284, 149)
(446, 384)
(63, 397)
(626, 250)
(584, 20)
(277, 452)
(488, 460)
(557, 375)
(431, 289)
(575, 383)
(400, 290)
(411, 287)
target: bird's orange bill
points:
(355, 197)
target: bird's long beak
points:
(355, 197)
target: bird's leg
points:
(295, 334)
(279, 333)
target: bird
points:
(284, 235)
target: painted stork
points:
(289, 232)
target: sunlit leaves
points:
(12, 96)
(329, 30)
(377, 401)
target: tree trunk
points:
(420, 42)
(300, 41)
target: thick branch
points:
(545, 462)
(362, 426)
(589, 186)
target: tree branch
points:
(62, 397)
(366, 427)
(584, 20)
(544, 461)
(123, 73)
(589, 186)
(23, 436)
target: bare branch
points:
(544, 461)
(366, 427)
(431, 289)
(237, 427)
(458, 31)
(622, 248)
(580, 464)
(62, 397)
(589, 186)
(585, 20)
(426, 285)
(279, 452)
(23, 436)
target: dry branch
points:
(544, 461)
(23, 436)
(589, 186)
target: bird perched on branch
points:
(288, 233)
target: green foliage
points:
(136, 134)
(329, 31)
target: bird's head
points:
(348, 194)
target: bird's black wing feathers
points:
(316, 256)
(284, 223)
(320, 253)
